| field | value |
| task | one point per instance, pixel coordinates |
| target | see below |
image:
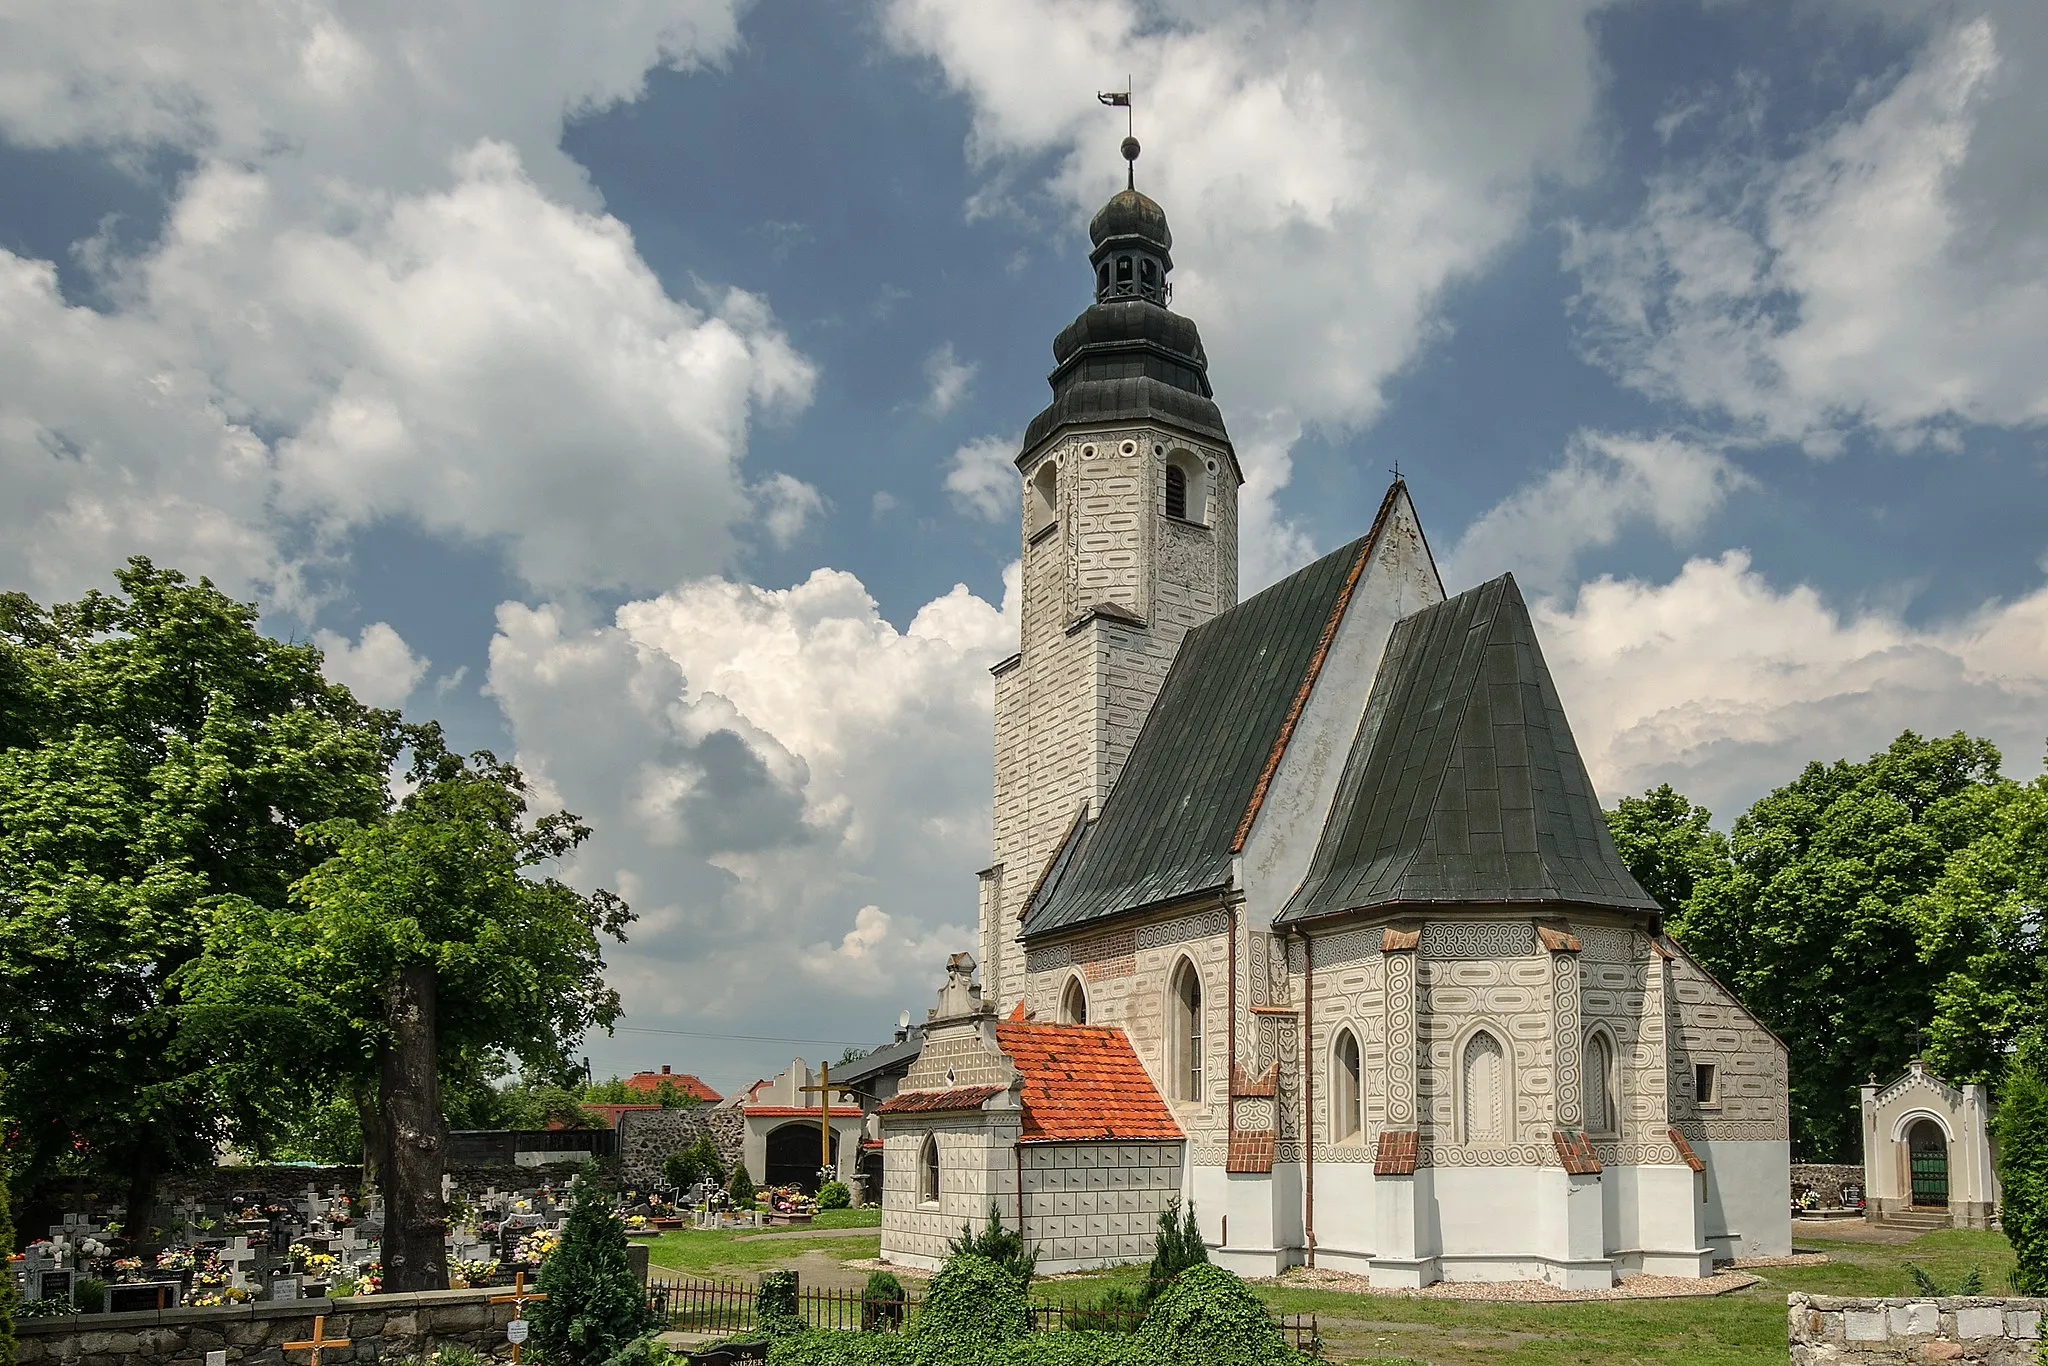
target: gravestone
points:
(137, 1296)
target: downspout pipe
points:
(1308, 1094)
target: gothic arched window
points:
(928, 1170)
(1176, 492)
(1074, 1003)
(1600, 1088)
(1484, 1070)
(1345, 1118)
(1184, 1005)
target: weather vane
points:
(1121, 99)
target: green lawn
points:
(1746, 1328)
(734, 1252)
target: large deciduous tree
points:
(1669, 844)
(1814, 922)
(157, 753)
(421, 944)
(1981, 931)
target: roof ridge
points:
(1338, 611)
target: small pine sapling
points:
(1178, 1247)
(741, 1188)
(1005, 1247)
(595, 1304)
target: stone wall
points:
(377, 1326)
(647, 1137)
(1824, 1178)
(1828, 1329)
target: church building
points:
(1303, 908)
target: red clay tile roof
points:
(1398, 1154)
(1692, 1159)
(685, 1082)
(1083, 1082)
(958, 1098)
(1251, 1150)
(1575, 1151)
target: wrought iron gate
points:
(1930, 1176)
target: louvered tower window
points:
(1176, 492)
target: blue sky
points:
(633, 385)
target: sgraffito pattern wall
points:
(1620, 992)
(1750, 1066)
(1510, 997)
(1350, 992)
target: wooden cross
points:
(824, 1088)
(518, 1300)
(319, 1342)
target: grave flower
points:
(176, 1259)
(128, 1268)
(536, 1246)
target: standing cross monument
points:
(824, 1088)
(318, 1343)
(518, 1299)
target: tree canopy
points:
(1814, 915)
(157, 753)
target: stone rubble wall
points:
(647, 1137)
(378, 1327)
(1827, 1329)
(1826, 1179)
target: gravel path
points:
(1532, 1292)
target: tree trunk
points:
(371, 1121)
(142, 1175)
(415, 1254)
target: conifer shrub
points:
(741, 1188)
(1178, 1246)
(775, 1312)
(1005, 1247)
(1208, 1317)
(2021, 1126)
(595, 1305)
(882, 1303)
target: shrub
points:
(646, 1350)
(1119, 1309)
(90, 1295)
(1178, 1247)
(2021, 1127)
(741, 1187)
(775, 1311)
(595, 1304)
(839, 1349)
(1005, 1247)
(680, 1169)
(974, 1305)
(834, 1195)
(882, 1303)
(1208, 1317)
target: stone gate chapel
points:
(1303, 907)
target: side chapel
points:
(1303, 907)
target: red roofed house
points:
(1057, 1125)
(685, 1084)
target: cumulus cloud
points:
(378, 667)
(946, 378)
(983, 478)
(787, 506)
(1890, 274)
(382, 292)
(1606, 481)
(784, 785)
(1329, 168)
(1725, 687)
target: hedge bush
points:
(1208, 1317)
(2021, 1126)
(973, 1306)
(834, 1195)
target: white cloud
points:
(983, 478)
(382, 292)
(1328, 168)
(1607, 481)
(787, 504)
(783, 784)
(947, 378)
(379, 668)
(1726, 687)
(1889, 275)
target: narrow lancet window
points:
(1176, 492)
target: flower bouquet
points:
(536, 1246)
(128, 1269)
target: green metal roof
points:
(1168, 826)
(1464, 783)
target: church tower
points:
(1128, 486)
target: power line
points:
(747, 1038)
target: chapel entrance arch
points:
(793, 1156)
(1927, 1163)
